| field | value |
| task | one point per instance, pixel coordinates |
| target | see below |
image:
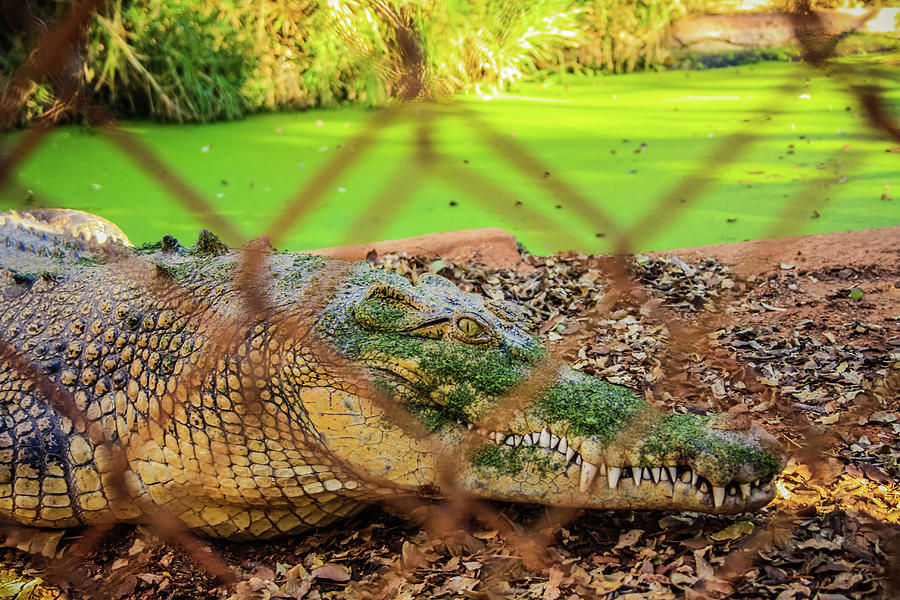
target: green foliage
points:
(19, 38)
(172, 59)
(319, 54)
(199, 61)
(183, 60)
(488, 44)
(623, 35)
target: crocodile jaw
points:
(586, 443)
(544, 478)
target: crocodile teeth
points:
(578, 460)
(636, 473)
(745, 490)
(603, 468)
(693, 477)
(545, 438)
(756, 483)
(554, 440)
(526, 441)
(704, 487)
(470, 426)
(588, 472)
(655, 473)
(718, 495)
(563, 447)
(613, 476)
(685, 477)
(673, 473)
(663, 475)
(569, 454)
(511, 440)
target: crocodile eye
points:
(470, 327)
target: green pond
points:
(766, 150)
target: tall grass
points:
(200, 60)
(173, 59)
(622, 35)
(488, 45)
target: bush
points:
(622, 35)
(200, 60)
(20, 36)
(172, 59)
(488, 44)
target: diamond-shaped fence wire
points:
(227, 333)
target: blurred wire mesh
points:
(418, 99)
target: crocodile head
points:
(452, 360)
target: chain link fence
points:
(690, 348)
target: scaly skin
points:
(350, 385)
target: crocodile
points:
(258, 393)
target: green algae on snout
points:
(86, 261)
(380, 316)
(448, 381)
(201, 268)
(512, 461)
(300, 272)
(590, 407)
(458, 400)
(465, 382)
(208, 245)
(491, 372)
(690, 436)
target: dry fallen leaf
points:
(332, 572)
(254, 589)
(137, 547)
(627, 539)
(704, 570)
(605, 587)
(459, 583)
(486, 535)
(125, 587)
(551, 591)
(820, 544)
(410, 557)
(298, 582)
(733, 531)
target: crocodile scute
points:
(250, 403)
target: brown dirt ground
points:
(493, 247)
(802, 334)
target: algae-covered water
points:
(624, 143)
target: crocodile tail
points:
(61, 231)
